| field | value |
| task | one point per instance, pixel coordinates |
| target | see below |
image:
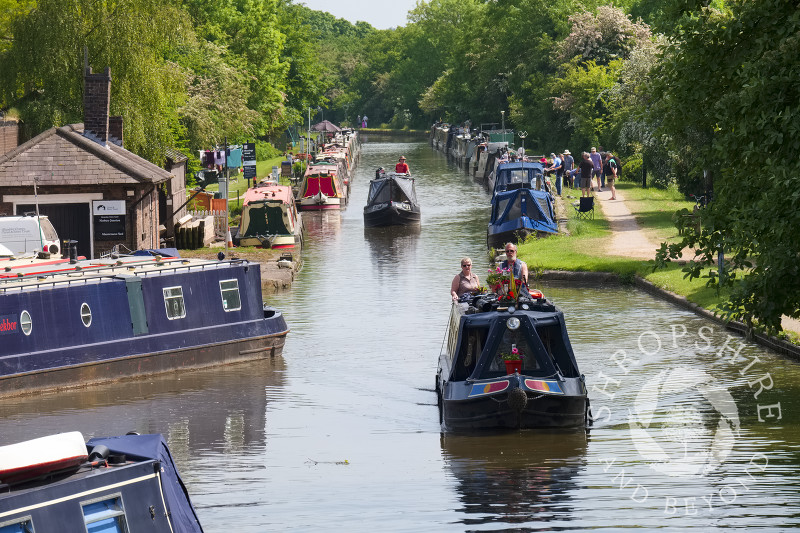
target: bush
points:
(265, 150)
(632, 168)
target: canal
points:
(694, 428)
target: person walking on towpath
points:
(611, 169)
(569, 165)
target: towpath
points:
(629, 240)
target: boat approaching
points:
(391, 201)
(478, 384)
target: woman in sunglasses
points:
(465, 281)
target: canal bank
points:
(628, 248)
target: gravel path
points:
(627, 239)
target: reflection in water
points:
(515, 478)
(391, 245)
(218, 409)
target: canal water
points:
(694, 429)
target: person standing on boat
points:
(401, 167)
(465, 281)
(517, 266)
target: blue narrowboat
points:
(478, 387)
(109, 485)
(67, 323)
(521, 204)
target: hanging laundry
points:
(234, 157)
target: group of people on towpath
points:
(602, 166)
(466, 282)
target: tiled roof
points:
(61, 156)
(175, 156)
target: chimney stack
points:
(115, 130)
(96, 105)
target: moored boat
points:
(270, 218)
(521, 204)
(476, 389)
(61, 483)
(391, 201)
(68, 323)
(322, 187)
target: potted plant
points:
(500, 280)
(513, 360)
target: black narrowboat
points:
(391, 201)
(476, 389)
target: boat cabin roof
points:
(268, 192)
(35, 274)
(519, 175)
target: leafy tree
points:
(730, 78)
(43, 70)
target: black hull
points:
(494, 412)
(392, 216)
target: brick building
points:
(93, 190)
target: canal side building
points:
(93, 190)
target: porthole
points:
(86, 314)
(25, 322)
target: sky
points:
(382, 14)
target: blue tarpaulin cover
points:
(163, 252)
(182, 514)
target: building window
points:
(25, 322)
(20, 525)
(173, 300)
(231, 301)
(86, 314)
(105, 516)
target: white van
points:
(28, 235)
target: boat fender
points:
(99, 453)
(517, 399)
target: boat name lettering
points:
(6, 325)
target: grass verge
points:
(584, 249)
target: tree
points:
(43, 70)
(730, 78)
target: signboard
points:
(249, 154)
(249, 160)
(109, 220)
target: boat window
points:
(23, 525)
(86, 314)
(515, 211)
(105, 516)
(496, 367)
(500, 209)
(25, 322)
(472, 343)
(231, 300)
(553, 342)
(173, 300)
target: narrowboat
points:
(521, 204)
(71, 322)
(477, 388)
(391, 201)
(116, 484)
(270, 218)
(322, 187)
